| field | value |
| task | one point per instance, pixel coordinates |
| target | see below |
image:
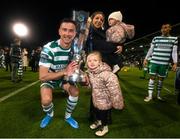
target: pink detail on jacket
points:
(120, 32)
(106, 90)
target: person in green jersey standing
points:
(162, 49)
(53, 66)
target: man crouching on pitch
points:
(54, 66)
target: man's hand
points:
(174, 67)
(86, 82)
(71, 68)
(145, 62)
(119, 49)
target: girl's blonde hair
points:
(96, 53)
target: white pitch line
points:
(167, 89)
(17, 91)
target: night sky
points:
(43, 17)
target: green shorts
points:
(159, 70)
(55, 83)
(52, 84)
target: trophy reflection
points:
(81, 18)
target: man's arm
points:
(174, 57)
(45, 75)
(149, 54)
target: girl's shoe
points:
(102, 131)
(96, 124)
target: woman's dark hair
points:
(97, 12)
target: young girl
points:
(118, 32)
(106, 91)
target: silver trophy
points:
(81, 18)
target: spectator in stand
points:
(15, 54)
(2, 58)
(7, 59)
(25, 58)
(32, 60)
(36, 58)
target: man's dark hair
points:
(68, 20)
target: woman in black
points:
(96, 41)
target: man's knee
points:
(74, 91)
(152, 77)
(46, 96)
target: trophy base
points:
(78, 78)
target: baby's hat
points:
(116, 15)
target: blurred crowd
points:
(16, 59)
